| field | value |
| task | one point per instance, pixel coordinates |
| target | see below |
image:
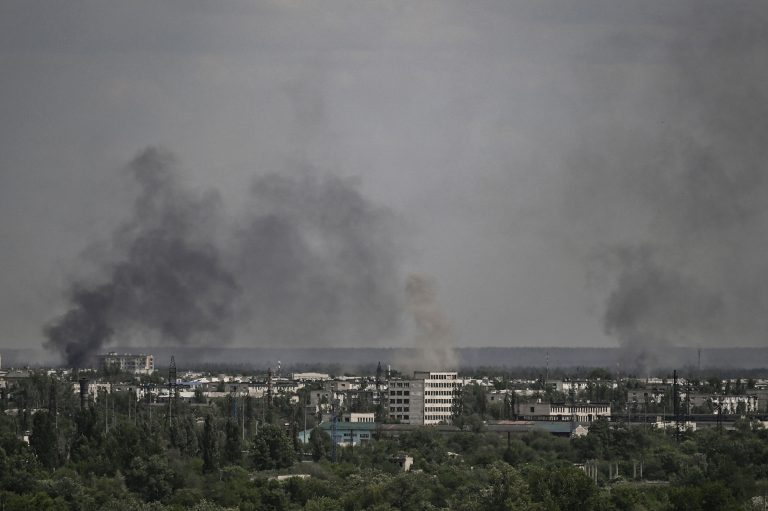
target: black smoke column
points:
(168, 277)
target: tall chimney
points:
(83, 392)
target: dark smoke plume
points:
(313, 262)
(169, 279)
(677, 197)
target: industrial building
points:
(579, 412)
(129, 363)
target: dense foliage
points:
(116, 454)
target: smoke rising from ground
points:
(677, 198)
(436, 338)
(312, 262)
(318, 261)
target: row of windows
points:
(443, 385)
(439, 393)
(446, 401)
(434, 418)
(585, 409)
(399, 392)
(403, 417)
(445, 409)
(398, 401)
(399, 384)
(399, 409)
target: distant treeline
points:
(355, 360)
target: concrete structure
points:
(566, 386)
(426, 399)
(347, 433)
(310, 376)
(358, 417)
(726, 404)
(580, 412)
(404, 461)
(406, 401)
(130, 363)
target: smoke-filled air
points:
(311, 261)
(674, 204)
(435, 340)
(572, 174)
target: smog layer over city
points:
(291, 255)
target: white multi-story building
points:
(425, 399)
(131, 363)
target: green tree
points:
(272, 449)
(210, 445)
(151, 478)
(44, 439)
(507, 490)
(561, 487)
(319, 443)
(232, 444)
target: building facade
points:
(741, 404)
(130, 363)
(426, 399)
(580, 412)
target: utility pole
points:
(52, 407)
(304, 403)
(573, 407)
(333, 430)
(106, 411)
(171, 389)
(676, 405)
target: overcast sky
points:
(468, 121)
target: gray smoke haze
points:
(678, 200)
(521, 142)
(435, 335)
(318, 261)
(313, 263)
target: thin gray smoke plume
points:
(436, 337)
(313, 262)
(678, 197)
